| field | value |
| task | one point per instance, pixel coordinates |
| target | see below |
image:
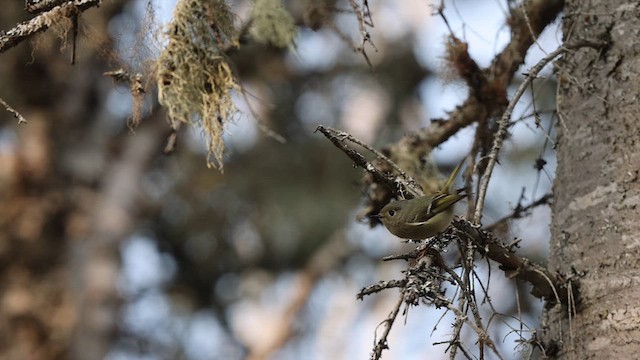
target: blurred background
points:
(263, 260)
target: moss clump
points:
(272, 23)
(195, 80)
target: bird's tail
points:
(447, 186)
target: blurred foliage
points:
(272, 209)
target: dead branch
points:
(499, 75)
(42, 22)
(43, 5)
(520, 211)
(381, 344)
(550, 286)
(381, 285)
(16, 114)
(395, 182)
(502, 130)
(503, 123)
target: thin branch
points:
(443, 301)
(520, 211)
(259, 121)
(550, 286)
(362, 25)
(43, 5)
(467, 300)
(504, 120)
(42, 22)
(412, 185)
(394, 182)
(73, 16)
(380, 286)
(523, 33)
(502, 130)
(16, 114)
(500, 73)
(381, 344)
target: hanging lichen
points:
(272, 23)
(195, 80)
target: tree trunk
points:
(596, 227)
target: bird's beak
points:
(375, 216)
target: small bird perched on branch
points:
(424, 216)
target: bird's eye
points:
(392, 212)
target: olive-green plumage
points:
(425, 216)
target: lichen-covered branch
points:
(397, 183)
(42, 22)
(551, 286)
(16, 114)
(498, 76)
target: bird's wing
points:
(439, 204)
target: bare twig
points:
(520, 211)
(259, 121)
(381, 344)
(502, 130)
(16, 114)
(466, 297)
(460, 316)
(361, 14)
(43, 5)
(413, 186)
(74, 14)
(547, 285)
(393, 181)
(504, 120)
(500, 73)
(531, 32)
(42, 22)
(473, 306)
(381, 285)
(467, 300)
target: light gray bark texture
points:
(596, 215)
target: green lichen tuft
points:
(272, 24)
(195, 81)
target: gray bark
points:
(596, 227)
